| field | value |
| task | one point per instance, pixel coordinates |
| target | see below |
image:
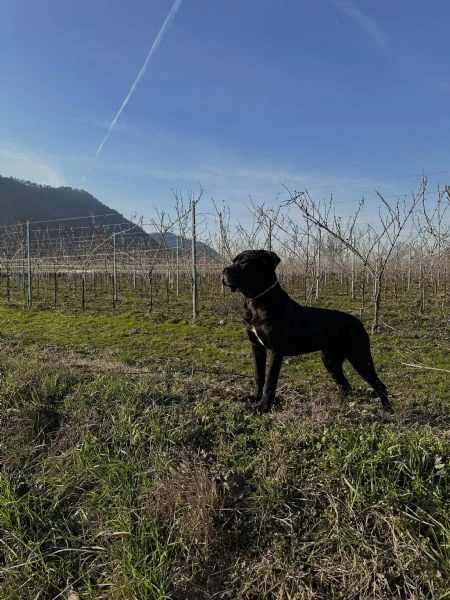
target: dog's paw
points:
(388, 407)
(252, 398)
(247, 398)
(262, 408)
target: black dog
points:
(276, 323)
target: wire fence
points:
(408, 245)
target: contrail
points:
(159, 37)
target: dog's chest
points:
(262, 332)
(257, 323)
(257, 337)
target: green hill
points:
(24, 200)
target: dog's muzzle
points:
(228, 279)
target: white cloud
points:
(24, 165)
(370, 27)
(439, 84)
(123, 128)
(140, 75)
(366, 23)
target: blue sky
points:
(241, 97)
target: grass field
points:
(132, 469)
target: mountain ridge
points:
(22, 200)
(78, 210)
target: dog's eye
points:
(243, 263)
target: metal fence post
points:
(318, 265)
(30, 281)
(352, 290)
(177, 272)
(114, 276)
(194, 264)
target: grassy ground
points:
(130, 467)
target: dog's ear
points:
(276, 259)
(273, 258)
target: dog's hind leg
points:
(363, 364)
(333, 364)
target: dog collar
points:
(265, 291)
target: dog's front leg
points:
(259, 358)
(270, 384)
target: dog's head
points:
(251, 272)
